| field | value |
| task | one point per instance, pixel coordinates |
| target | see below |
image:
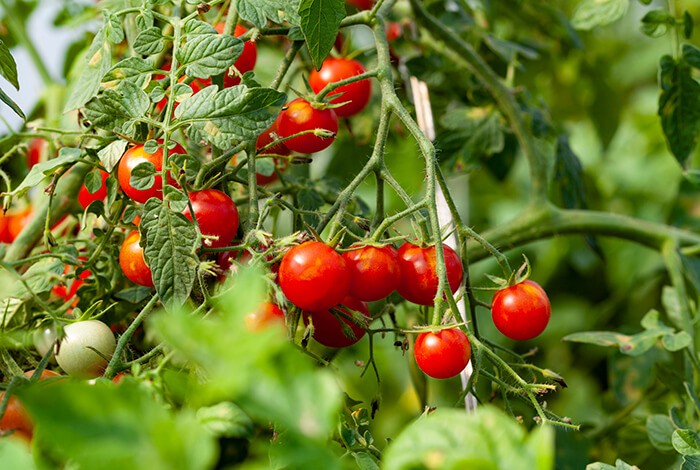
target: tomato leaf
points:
(235, 113)
(143, 176)
(109, 156)
(226, 419)
(134, 69)
(149, 41)
(258, 12)
(686, 442)
(320, 21)
(592, 13)
(125, 426)
(116, 108)
(98, 61)
(8, 66)
(10, 102)
(16, 454)
(679, 107)
(170, 243)
(619, 465)
(660, 429)
(66, 156)
(205, 52)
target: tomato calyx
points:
(515, 277)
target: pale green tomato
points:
(75, 354)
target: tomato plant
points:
(301, 116)
(374, 272)
(132, 261)
(15, 419)
(521, 311)
(442, 354)
(419, 279)
(246, 61)
(216, 216)
(85, 349)
(355, 95)
(328, 327)
(86, 197)
(136, 156)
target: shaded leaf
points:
(66, 157)
(320, 21)
(98, 61)
(660, 430)
(116, 108)
(149, 41)
(592, 13)
(10, 102)
(8, 66)
(686, 442)
(258, 12)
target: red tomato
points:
(314, 277)
(394, 30)
(16, 418)
(328, 330)
(443, 354)
(36, 149)
(267, 315)
(357, 94)
(246, 61)
(14, 223)
(374, 272)
(132, 262)
(299, 115)
(521, 311)
(196, 85)
(137, 155)
(85, 197)
(280, 149)
(64, 291)
(216, 215)
(361, 4)
(419, 279)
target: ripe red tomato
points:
(442, 354)
(394, 30)
(328, 330)
(67, 290)
(16, 418)
(419, 279)
(298, 116)
(246, 61)
(12, 223)
(357, 94)
(132, 262)
(280, 149)
(85, 197)
(314, 277)
(137, 155)
(374, 272)
(361, 4)
(216, 215)
(267, 315)
(521, 311)
(36, 148)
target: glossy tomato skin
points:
(36, 148)
(16, 418)
(361, 4)
(314, 277)
(419, 279)
(76, 353)
(328, 330)
(374, 272)
(133, 263)
(442, 354)
(12, 223)
(357, 93)
(137, 155)
(246, 61)
(216, 215)
(85, 197)
(299, 115)
(521, 311)
(267, 138)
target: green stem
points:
(684, 320)
(286, 63)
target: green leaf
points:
(226, 419)
(671, 303)
(170, 243)
(258, 12)
(691, 55)
(116, 108)
(143, 176)
(113, 27)
(690, 462)
(98, 61)
(365, 461)
(320, 21)
(592, 13)
(656, 23)
(679, 107)
(149, 41)
(40, 277)
(10, 102)
(688, 25)
(133, 69)
(93, 181)
(124, 426)
(619, 465)
(66, 157)
(15, 454)
(676, 341)
(660, 429)
(134, 295)
(8, 66)
(206, 53)
(109, 156)
(451, 439)
(235, 113)
(686, 442)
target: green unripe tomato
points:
(44, 340)
(75, 355)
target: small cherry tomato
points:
(137, 155)
(328, 329)
(16, 418)
(298, 116)
(314, 277)
(76, 354)
(374, 272)
(216, 215)
(37, 147)
(394, 30)
(85, 197)
(361, 4)
(419, 279)
(132, 262)
(355, 95)
(246, 61)
(67, 290)
(521, 311)
(267, 315)
(442, 354)
(267, 138)
(14, 223)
